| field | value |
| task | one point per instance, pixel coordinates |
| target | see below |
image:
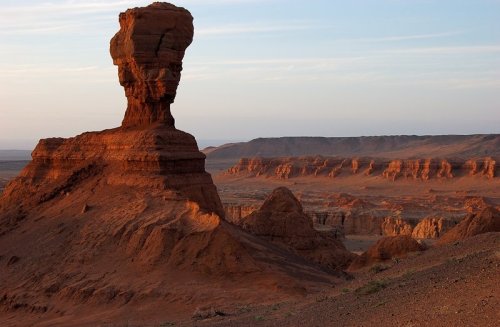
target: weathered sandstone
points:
(333, 167)
(483, 221)
(385, 249)
(281, 220)
(148, 51)
(128, 217)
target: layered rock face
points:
(332, 167)
(148, 51)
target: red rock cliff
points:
(332, 167)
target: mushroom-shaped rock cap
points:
(148, 50)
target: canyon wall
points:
(332, 167)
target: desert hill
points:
(397, 146)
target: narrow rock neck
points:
(144, 114)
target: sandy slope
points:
(453, 285)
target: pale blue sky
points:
(262, 68)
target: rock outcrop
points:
(385, 249)
(281, 220)
(396, 226)
(333, 167)
(234, 213)
(148, 51)
(128, 217)
(484, 221)
(431, 227)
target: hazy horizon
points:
(262, 69)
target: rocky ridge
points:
(332, 167)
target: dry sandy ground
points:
(453, 285)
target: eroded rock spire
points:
(148, 50)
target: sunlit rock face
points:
(148, 50)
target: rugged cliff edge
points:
(332, 167)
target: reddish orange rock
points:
(484, 221)
(281, 220)
(148, 51)
(385, 249)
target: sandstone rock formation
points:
(385, 249)
(234, 213)
(431, 227)
(396, 226)
(128, 217)
(282, 221)
(333, 167)
(148, 51)
(484, 221)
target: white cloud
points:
(255, 28)
(473, 49)
(398, 38)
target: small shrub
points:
(371, 287)
(322, 298)
(205, 313)
(378, 268)
(408, 273)
(345, 290)
(244, 309)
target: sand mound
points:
(484, 221)
(386, 249)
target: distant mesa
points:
(390, 169)
(390, 147)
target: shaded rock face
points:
(148, 51)
(282, 221)
(484, 221)
(385, 249)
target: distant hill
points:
(15, 155)
(397, 146)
